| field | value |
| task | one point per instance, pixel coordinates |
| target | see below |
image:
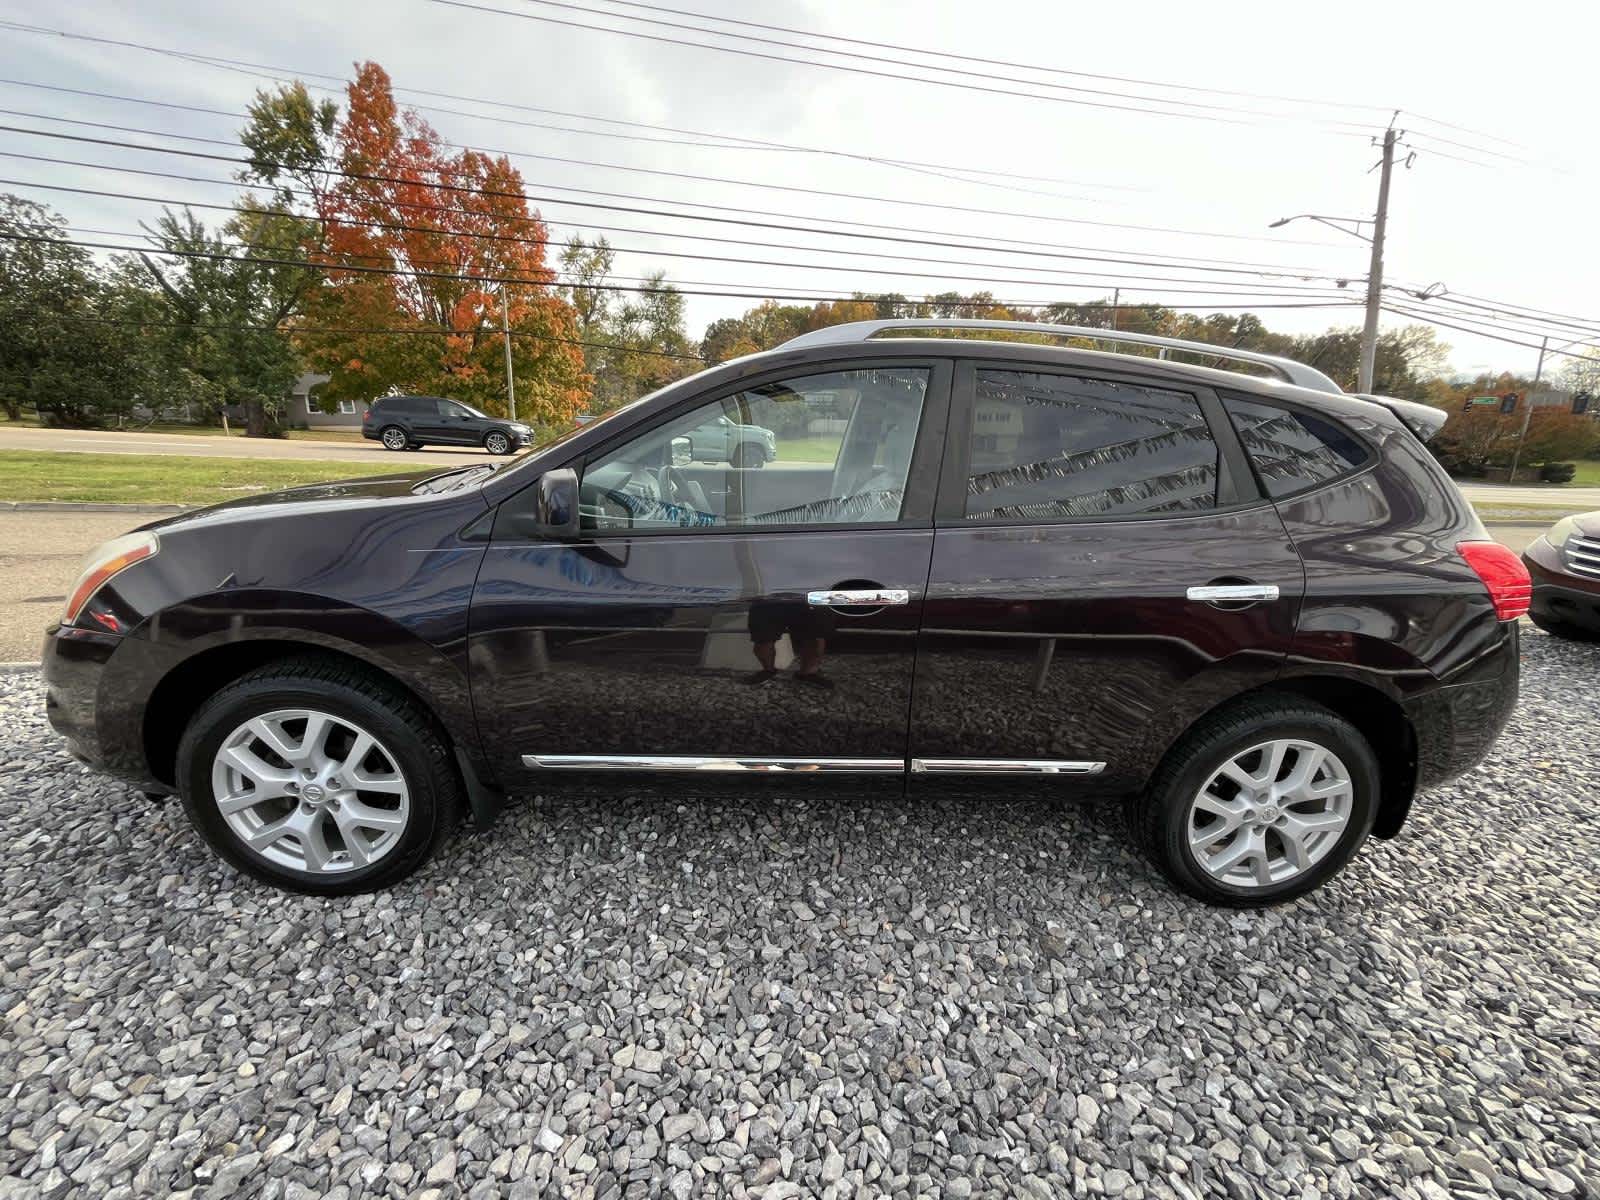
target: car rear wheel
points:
(393, 438)
(1259, 803)
(496, 442)
(318, 778)
(746, 455)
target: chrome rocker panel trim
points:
(1004, 766)
(695, 762)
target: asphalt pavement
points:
(101, 441)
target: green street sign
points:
(1486, 399)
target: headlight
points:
(104, 562)
(1561, 531)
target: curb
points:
(18, 668)
(87, 506)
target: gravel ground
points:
(989, 998)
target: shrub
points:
(1558, 472)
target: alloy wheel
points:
(310, 791)
(497, 443)
(1270, 813)
(394, 439)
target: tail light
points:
(366, 415)
(1502, 572)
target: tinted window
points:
(1062, 446)
(1290, 449)
(404, 404)
(822, 449)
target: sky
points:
(1269, 109)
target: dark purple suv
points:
(1250, 605)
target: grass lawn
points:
(176, 479)
(1588, 473)
(31, 421)
(808, 449)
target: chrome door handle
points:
(1214, 592)
(859, 597)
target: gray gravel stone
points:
(986, 996)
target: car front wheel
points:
(318, 778)
(1259, 803)
(496, 442)
(746, 455)
(394, 438)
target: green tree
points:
(70, 342)
(224, 313)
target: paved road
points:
(40, 553)
(1503, 495)
(91, 441)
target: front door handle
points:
(1213, 593)
(859, 598)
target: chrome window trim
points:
(1004, 766)
(698, 762)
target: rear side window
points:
(1293, 450)
(1052, 447)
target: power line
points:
(1000, 62)
(1053, 218)
(501, 278)
(295, 329)
(1269, 276)
(549, 242)
(1207, 112)
(1427, 319)
(517, 195)
(695, 138)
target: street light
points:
(1339, 223)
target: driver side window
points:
(826, 449)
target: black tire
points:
(1158, 817)
(746, 454)
(393, 438)
(405, 730)
(1561, 629)
(496, 442)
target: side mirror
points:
(682, 451)
(558, 504)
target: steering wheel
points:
(673, 485)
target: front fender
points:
(246, 620)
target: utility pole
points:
(1369, 332)
(505, 330)
(1527, 410)
(1116, 302)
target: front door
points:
(457, 425)
(723, 619)
(1071, 627)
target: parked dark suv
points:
(411, 422)
(1254, 607)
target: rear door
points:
(717, 619)
(1084, 523)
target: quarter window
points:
(826, 449)
(1292, 450)
(1050, 447)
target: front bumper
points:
(1559, 596)
(81, 704)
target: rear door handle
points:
(1212, 593)
(859, 598)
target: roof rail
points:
(861, 331)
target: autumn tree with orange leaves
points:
(415, 244)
